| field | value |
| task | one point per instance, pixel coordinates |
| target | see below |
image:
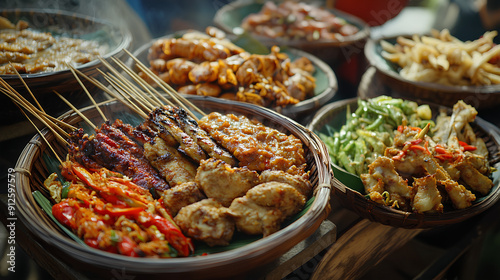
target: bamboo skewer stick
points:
(26, 86)
(147, 87)
(165, 86)
(41, 135)
(88, 93)
(133, 92)
(43, 117)
(76, 110)
(125, 99)
(129, 104)
(125, 96)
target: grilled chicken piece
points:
(252, 218)
(220, 181)
(426, 195)
(300, 182)
(207, 221)
(175, 198)
(278, 195)
(172, 165)
(191, 128)
(164, 123)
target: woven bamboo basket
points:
(32, 171)
(326, 80)
(481, 97)
(60, 23)
(345, 184)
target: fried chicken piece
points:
(474, 179)
(427, 196)
(180, 196)
(300, 182)
(373, 187)
(278, 195)
(220, 181)
(252, 218)
(207, 221)
(459, 195)
(383, 169)
(172, 165)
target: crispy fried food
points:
(442, 58)
(220, 181)
(383, 170)
(207, 221)
(459, 195)
(426, 196)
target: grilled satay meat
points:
(220, 181)
(190, 127)
(99, 150)
(175, 198)
(172, 165)
(167, 126)
(207, 221)
(254, 145)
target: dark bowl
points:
(333, 52)
(481, 97)
(115, 38)
(326, 81)
(350, 190)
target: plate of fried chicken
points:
(408, 164)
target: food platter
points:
(350, 190)
(325, 78)
(481, 97)
(333, 52)
(60, 23)
(32, 169)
